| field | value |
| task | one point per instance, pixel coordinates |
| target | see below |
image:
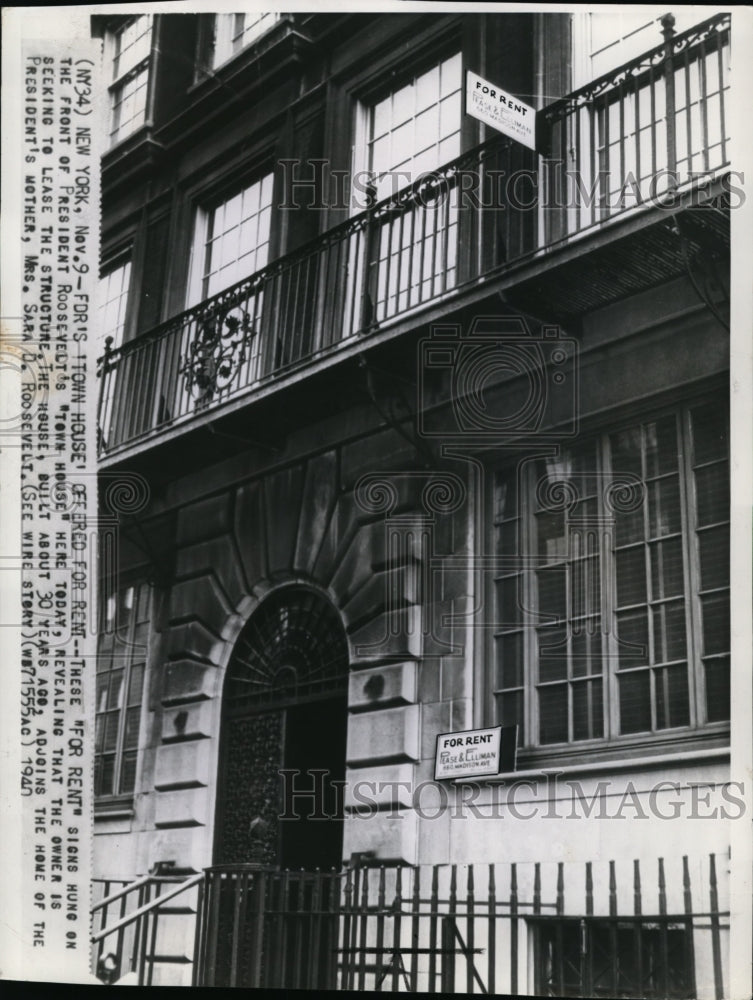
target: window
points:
(617, 623)
(612, 958)
(127, 54)
(607, 39)
(231, 240)
(413, 130)
(233, 32)
(416, 128)
(121, 665)
(113, 300)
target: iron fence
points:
(585, 930)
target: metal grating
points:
(292, 647)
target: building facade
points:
(409, 428)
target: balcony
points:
(632, 147)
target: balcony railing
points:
(628, 139)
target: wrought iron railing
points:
(126, 919)
(598, 929)
(637, 134)
(628, 139)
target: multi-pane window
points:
(410, 132)
(121, 666)
(233, 32)
(613, 592)
(113, 299)
(416, 128)
(231, 240)
(128, 53)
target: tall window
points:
(233, 32)
(416, 128)
(121, 666)
(127, 54)
(113, 299)
(411, 131)
(616, 623)
(231, 240)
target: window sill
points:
(120, 807)
(663, 761)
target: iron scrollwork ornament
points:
(217, 352)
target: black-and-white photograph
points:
(410, 664)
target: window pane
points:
(661, 446)
(136, 684)
(635, 702)
(111, 723)
(715, 623)
(552, 654)
(552, 594)
(510, 660)
(505, 497)
(131, 735)
(669, 632)
(586, 648)
(626, 451)
(709, 433)
(552, 536)
(128, 774)
(717, 689)
(553, 714)
(712, 493)
(631, 576)
(629, 526)
(103, 683)
(632, 634)
(508, 602)
(664, 507)
(106, 774)
(672, 705)
(667, 568)
(115, 698)
(713, 545)
(588, 711)
(507, 538)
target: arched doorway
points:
(284, 709)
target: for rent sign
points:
(495, 107)
(473, 752)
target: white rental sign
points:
(473, 752)
(503, 111)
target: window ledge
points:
(626, 764)
(116, 808)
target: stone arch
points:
(284, 708)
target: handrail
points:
(147, 907)
(123, 891)
(434, 178)
(596, 87)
